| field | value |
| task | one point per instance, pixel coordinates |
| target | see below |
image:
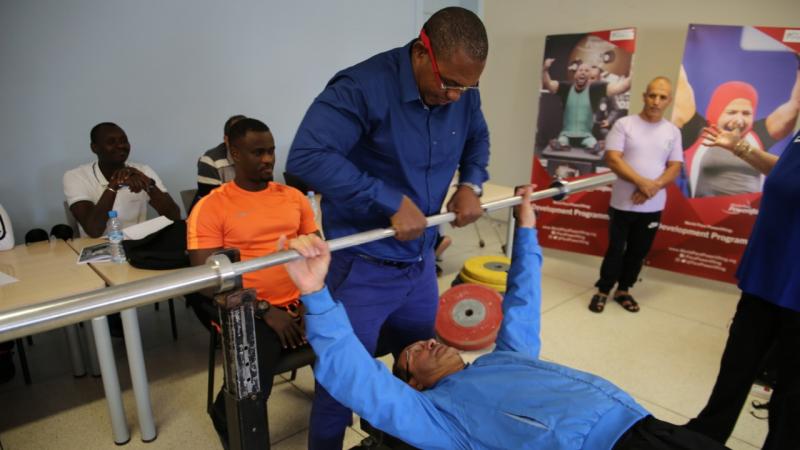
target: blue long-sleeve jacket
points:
(368, 139)
(507, 399)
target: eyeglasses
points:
(408, 367)
(449, 86)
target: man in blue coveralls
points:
(381, 144)
(508, 399)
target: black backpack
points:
(164, 249)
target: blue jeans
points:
(396, 303)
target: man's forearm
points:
(670, 174)
(547, 83)
(623, 170)
(163, 203)
(521, 323)
(95, 218)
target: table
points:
(114, 274)
(46, 271)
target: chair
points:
(62, 231)
(296, 182)
(289, 362)
(34, 235)
(71, 221)
(187, 198)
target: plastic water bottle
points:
(115, 238)
(314, 207)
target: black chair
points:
(62, 231)
(207, 313)
(32, 236)
(36, 235)
(296, 182)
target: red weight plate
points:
(469, 316)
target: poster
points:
(742, 79)
(585, 88)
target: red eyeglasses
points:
(449, 86)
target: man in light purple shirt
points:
(646, 154)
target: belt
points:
(387, 262)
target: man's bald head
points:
(659, 81)
(656, 99)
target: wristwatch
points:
(475, 188)
(260, 309)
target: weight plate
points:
(469, 316)
(501, 288)
(489, 269)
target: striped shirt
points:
(215, 167)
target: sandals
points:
(598, 303)
(627, 302)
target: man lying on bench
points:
(506, 399)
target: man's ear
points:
(93, 147)
(418, 49)
(415, 384)
(234, 153)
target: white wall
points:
(517, 29)
(169, 73)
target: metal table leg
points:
(94, 364)
(108, 368)
(133, 345)
(74, 345)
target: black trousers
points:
(269, 347)
(630, 235)
(653, 434)
(756, 327)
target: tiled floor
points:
(666, 356)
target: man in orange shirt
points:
(250, 213)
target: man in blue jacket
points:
(381, 143)
(507, 399)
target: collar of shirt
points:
(408, 84)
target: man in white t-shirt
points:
(93, 189)
(645, 152)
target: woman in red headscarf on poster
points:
(733, 107)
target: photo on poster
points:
(585, 88)
(743, 80)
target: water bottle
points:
(313, 201)
(115, 238)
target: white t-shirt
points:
(87, 182)
(646, 147)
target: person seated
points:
(506, 399)
(216, 165)
(111, 182)
(250, 213)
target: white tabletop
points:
(46, 271)
(115, 273)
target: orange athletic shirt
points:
(230, 216)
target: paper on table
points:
(6, 279)
(146, 228)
